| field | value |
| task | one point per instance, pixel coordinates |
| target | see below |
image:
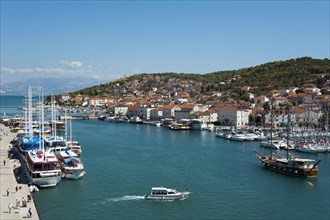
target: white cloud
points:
(73, 64)
(16, 70)
(32, 70)
(64, 69)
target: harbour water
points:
(123, 162)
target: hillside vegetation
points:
(262, 78)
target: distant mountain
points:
(48, 85)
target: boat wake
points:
(310, 183)
(123, 198)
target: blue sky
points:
(110, 39)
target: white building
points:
(237, 116)
(144, 111)
(169, 111)
(156, 114)
(120, 110)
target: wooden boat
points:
(289, 165)
(294, 166)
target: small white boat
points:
(238, 137)
(74, 146)
(155, 123)
(72, 167)
(33, 188)
(162, 193)
(306, 149)
(275, 144)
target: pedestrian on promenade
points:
(4, 162)
(30, 213)
(9, 207)
(16, 188)
(8, 192)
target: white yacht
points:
(238, 137)
(74, 146)
(155, 123)
(72, 167)
(162, 193)
(275, 144)
(43, 168)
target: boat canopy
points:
(303, 160)
(158, 188)
(68, 160)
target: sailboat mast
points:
(327, 123)
(271, 128)
(40, 121)
(288, 132)
(52, 113)
(71, 139)
(26, 115)
(65, 124)
(30, 111)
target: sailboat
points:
(73, 145)
(43, 166)
(289, 165)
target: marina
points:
(124, 160)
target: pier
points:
(10, 180)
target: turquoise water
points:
(123, 161)
(9, 105)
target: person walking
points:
(8, 192)
(9, 207)
(30, 212)
(4, 162)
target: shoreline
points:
(8, 179)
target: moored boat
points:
(306, 149)
(43, 168)
(74, 146)
(155, 123)
(72, 167)
(162, 193)
(179, 126)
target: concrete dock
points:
(9, 181)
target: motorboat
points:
(74, 146)
(162, 193)
(238, 137)
(155, 123)
(306, 149)
(198, 124)
(179, 126)
(275, 144)
(72, 167)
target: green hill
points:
(262, 78)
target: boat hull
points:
(167, 197)
(291, 171)
(46, 181)
(74, 175)
(271, 164)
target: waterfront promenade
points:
(8, 180)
